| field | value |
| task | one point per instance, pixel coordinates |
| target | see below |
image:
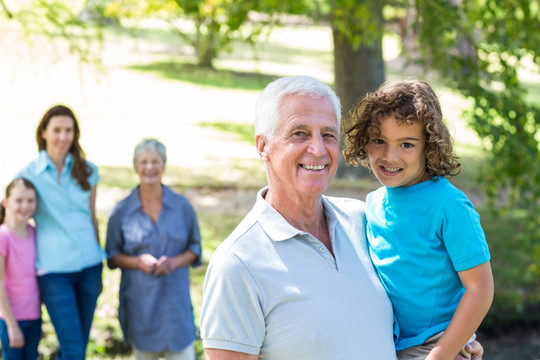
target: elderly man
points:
(294, 280)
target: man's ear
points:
(261, 144)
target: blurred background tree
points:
(212, 24)
(59, 21)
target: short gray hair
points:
(149, 144)
(267, 111)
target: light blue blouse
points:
(65, 235)
(155, 312)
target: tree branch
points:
(6, 10)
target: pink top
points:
(20, 278)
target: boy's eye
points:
(378, 141)
(407, 145)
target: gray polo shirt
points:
(276, 291)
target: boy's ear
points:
(261, 143)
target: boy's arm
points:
(473, 306)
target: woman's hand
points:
(147, 263)
(164, 266)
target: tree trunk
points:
(357, 72)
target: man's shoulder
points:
(246, 231)
(346, 206)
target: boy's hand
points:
(475, 350)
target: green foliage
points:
(59, 21)
(516, 302)
(213, 24)
(482, 48)
(356, 21)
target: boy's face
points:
(397, 156)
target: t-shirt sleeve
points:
(94, 176)
(231, 317)
(3, 243)
(463, 235)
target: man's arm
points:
(219, 354)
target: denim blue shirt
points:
(155, 312)
(65, 235)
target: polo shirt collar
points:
(44, 162)
(275, 225)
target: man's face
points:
(302, 157)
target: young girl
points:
(20, 312)
(424, 235)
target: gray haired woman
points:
(153, 237)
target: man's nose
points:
(317, 146)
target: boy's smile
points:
(397, 156)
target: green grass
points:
(238, 174)
(244, 132)
(190, 73)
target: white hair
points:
(267, 108)
(146, 145)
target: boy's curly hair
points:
(408, 101)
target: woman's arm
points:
(16, 338)
(472, 308)
(93, 195)
(145, 262)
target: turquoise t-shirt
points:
(419, 237)
(65, 236)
